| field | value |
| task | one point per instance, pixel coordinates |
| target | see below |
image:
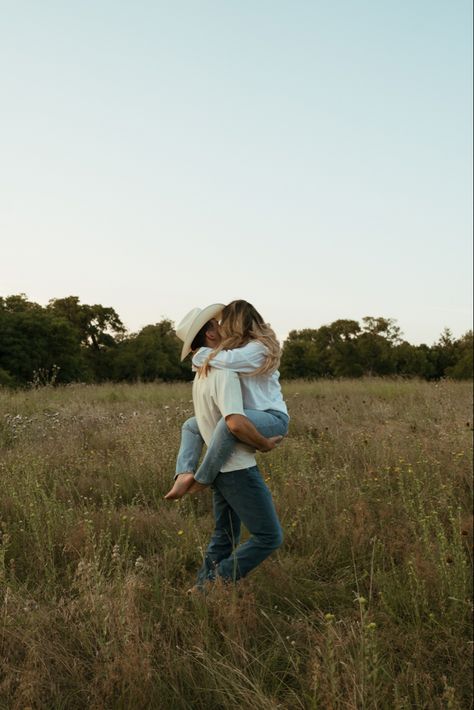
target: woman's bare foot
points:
(271, 443)
(196, 487)
(181, 485)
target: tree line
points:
(67, 341)
(347, 349)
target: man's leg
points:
(188, 458)
(249, 498)
(224, 539)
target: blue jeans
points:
(269, 423)
(240, 496)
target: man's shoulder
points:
(223, 375)
(216, 381)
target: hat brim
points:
(201, 319)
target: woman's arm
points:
(245, 359)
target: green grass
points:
(366, 605)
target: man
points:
(239, 492)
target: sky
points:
(311, 157)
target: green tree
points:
(413, 360)
(96, 326)
(376, 344)
(343, 354)
(385, 327)
(462, 368)
(323, 352)
(376, 354)
(18, 303)
(97, 330)
(443, 354)
(304, 354)
(33, 340)
(153, 353)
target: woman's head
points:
(239, 319)
(239, 324)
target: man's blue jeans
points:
(240, 497)
(269, 423)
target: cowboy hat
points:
(192, 323)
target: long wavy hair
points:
(239, 324)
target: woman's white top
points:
(259, 391)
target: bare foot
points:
(271, 443)
(182, 483)
(196, 487)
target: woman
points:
(248, 346)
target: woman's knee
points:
(231, 423)
(223, 430)
(191, 426)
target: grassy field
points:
(367, 604)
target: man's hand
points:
(271, 443)
(243, 429)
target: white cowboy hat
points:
(192, 323)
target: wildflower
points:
(139, 562)
(371, 626)
(329, 617)
(180, 532)
(361, 600)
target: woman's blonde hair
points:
(239, 324)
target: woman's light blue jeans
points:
(269, 423)
(240, 496)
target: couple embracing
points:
(239, 408)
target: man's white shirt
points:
(215, 396)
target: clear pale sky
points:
(314, 158)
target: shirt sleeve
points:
(228, 394)
(245, 359)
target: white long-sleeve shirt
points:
(215, 396)
(260, 392)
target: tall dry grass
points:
(366, 605)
